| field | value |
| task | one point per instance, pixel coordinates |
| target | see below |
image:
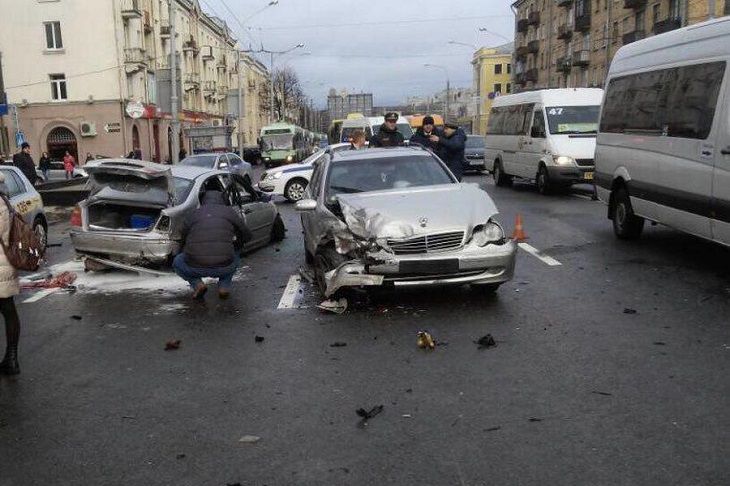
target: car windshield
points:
(474, 142)
(405, 130)
(282, 141)
(368, 175)
(205, 161)
(182, 189)
(566, 120)
(347, 132)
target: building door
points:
(135, 139)
(156, 136)
(60, 140)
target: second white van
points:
(547, 136)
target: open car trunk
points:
(107, 216)
(131, 183)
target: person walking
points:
(388, 134)
(357, 140)
(9, 287)
(89, 157)
(23, 161)
(451, 148)
(423, 134)
(211, 240)
(69, 164)
(44, 164)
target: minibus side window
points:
(538, 125)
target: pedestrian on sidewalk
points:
(451, 144)
(69, 164)
(388, 134)
(423, 134)
(23, 161)
(89, 157)
(212, 239)
(9, 287)
(44, 164)
(357, 140)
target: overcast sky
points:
(377, 46)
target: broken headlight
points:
(485, 234)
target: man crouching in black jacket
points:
(208, 245)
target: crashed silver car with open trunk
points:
(399, 217)
(136, 209)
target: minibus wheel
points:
(626, 225)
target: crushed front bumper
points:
(492, 264)
(152, 247)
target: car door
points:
(524, 154)
(537, 141)
(721, 173)
(309, 218)
(259, 215)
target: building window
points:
(655, 13)
(509, 68)
(498, 88)
(497, 69)
(674, 9)
(53, 35)
(639, 20)
(58, 87)
(508, 89)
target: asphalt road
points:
(576, 391)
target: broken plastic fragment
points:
(425, 340)
(172, 345)
(249, 439)
(335, 306)
(486, 342)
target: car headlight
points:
(290, 158)
(276, 175)
(267, 159)
(488, 233)
(563, 160)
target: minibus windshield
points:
(568, 120)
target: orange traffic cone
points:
(519, 234)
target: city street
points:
(610, 367)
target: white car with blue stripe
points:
(292, 180)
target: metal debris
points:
(425, 340)
(334, 306)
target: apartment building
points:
(72, 67)
(570, 43)
(492, 78)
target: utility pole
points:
(271, 88)
(239, 69)
(175, 123)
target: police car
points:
(26, 200)
(292, 180)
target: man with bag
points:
(9, 287)
(23, 161)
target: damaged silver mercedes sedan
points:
(136, 209)
(399, 217)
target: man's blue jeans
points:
(194, 276)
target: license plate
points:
(476, 162)
(588, 176)
(429, 267)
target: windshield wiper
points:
(346, 190)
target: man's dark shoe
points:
(199, 292)
(9, 365)
(224, 294)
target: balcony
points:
(164, 28)
(135, 59)
(147, 22)
(531, 75)
(208, 54)
(222, 64)
(192, 81)
(636, 4)
(521, 51)
(565, 31)
(667, 25)
(565, 3)
(522, 25)
(533, 18)
(520, 78)
(564, 64)
(533, 47)
(130, 9)
(191, 46)
(581, 58)
(209, 88)
(634, 36)
(222, 90)
(583, 23)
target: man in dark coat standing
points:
(422, 136)
(388, 135)
(212, 239)
(23, 161)
(451, 148)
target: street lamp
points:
(487, 31)
(448, 88)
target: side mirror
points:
(306, 205)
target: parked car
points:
(228, 162)
(474, 153)
(399, 217)
(58, 172)
(26, 201)
(663, 150)
(548, 136)
(136, 209)
(291, 181)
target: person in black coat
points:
(422, 136)
(212, 238)
(44, 164)
(451, 148)
(388, 135)
(23, 161)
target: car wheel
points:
(626, 225)
(294, 190)
(326, 260)
(278, 230)
(543, 181)
(40, 230)
(486, 288)
(500, 178)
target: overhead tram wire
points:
(384, 22)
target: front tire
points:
(500, 178)
(294, 190)
(544, 186)
(326, 260)
(626, 225)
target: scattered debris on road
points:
(659, 343)
(335, 306)
(180, 456)
(492, 429)
(249, 439)
(172, 345)
(60, 281)
(338, 344)
(485, 342)
(366, 415)
(630, 311)
(605, 394)
(259, 339)
(425, 340)
(534, 419)
(406, 415)
(76, 318)
(306, 274)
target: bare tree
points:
(288, 95)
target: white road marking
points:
(292, 295)
(39, 295)
(537, 254)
